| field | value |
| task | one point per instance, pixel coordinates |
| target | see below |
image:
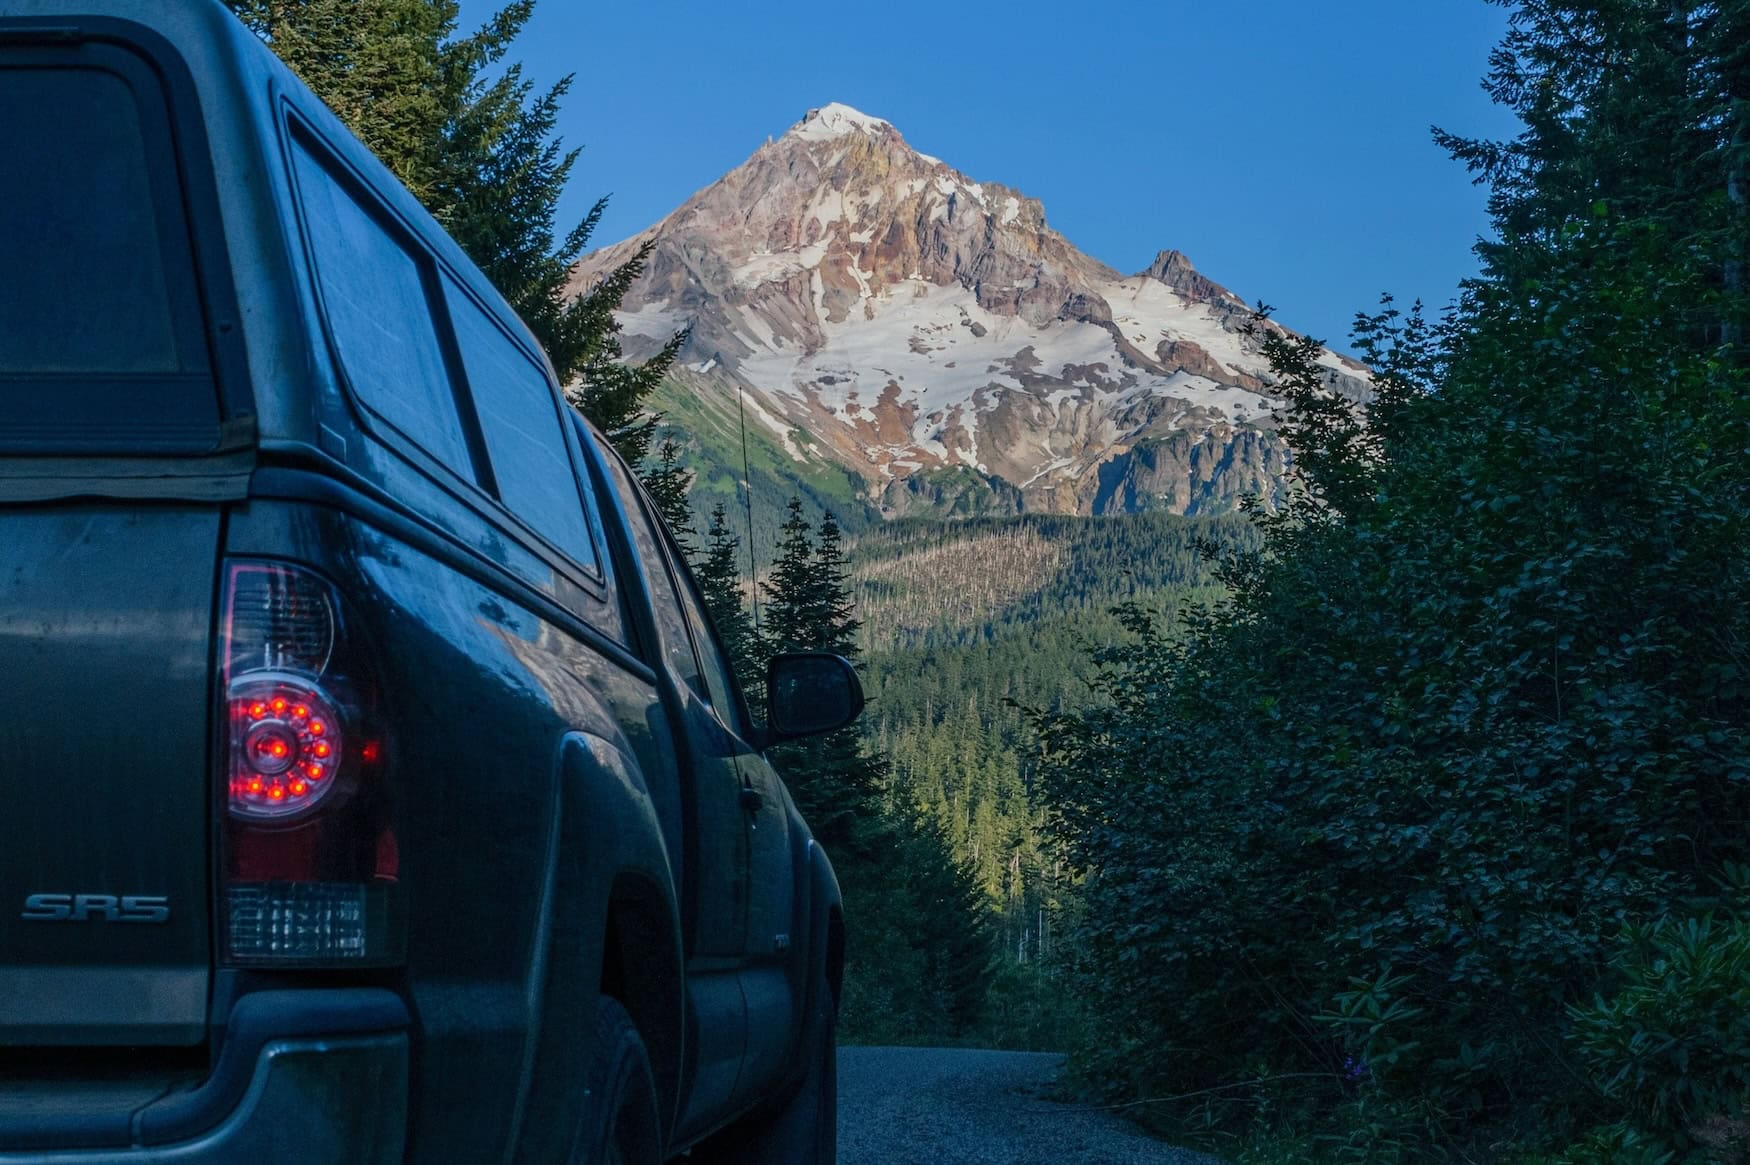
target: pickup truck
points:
(373, 787)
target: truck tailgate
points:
(105, 794)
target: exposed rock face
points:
(916, 322)
(1189, 475)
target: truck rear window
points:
(101, 340)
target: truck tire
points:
(619, 1124)
(803, 1130)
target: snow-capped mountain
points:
(883, 312)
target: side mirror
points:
(810, 692)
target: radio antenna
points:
(747, 498)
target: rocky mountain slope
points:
(932, 342)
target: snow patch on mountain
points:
(835, 120)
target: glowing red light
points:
(287, 740)
(369, 751)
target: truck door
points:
(771, 904)
(713, 863)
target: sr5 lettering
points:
(96, 908)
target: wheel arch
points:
(612, 928)
(641, 967)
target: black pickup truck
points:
(372, 784)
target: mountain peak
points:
(835, 120)
(881, 313)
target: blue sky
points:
(1282, 145)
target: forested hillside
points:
(967, 625)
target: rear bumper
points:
(280, 1092)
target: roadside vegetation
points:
(1429, 841)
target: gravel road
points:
(953, 1106)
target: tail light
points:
(309, 858)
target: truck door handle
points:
(751, 799)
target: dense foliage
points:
(1425, 841)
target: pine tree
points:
(718, 569)
(668, 482)
(930, 945)
(949, 922)
(834, 611)
(791, 595)
(392, 70)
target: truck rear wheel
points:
(620, 1124)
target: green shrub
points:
(1671, 1044)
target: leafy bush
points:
(1671, 1045)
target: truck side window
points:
(717, 675)
(671, 625)
(519, 417)
(379, 317)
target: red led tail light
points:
(308, 806)
(285, 747)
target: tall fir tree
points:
(788, 622)
(834, 611)
(668, 482)
(718, 569)
(924, 947)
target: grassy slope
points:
(704, 416)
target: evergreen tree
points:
(392, 70)
(668, 482)
(718, 569)
(923, 952)
(790, 622)
(949, 921)
(834, 610)
(809, 608)
(480, 152)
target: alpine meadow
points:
(1340, 758)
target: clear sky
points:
(1282, 144)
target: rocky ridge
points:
(882, 311)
